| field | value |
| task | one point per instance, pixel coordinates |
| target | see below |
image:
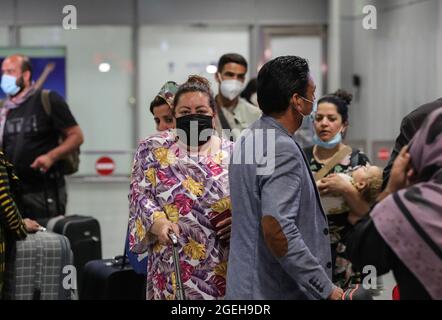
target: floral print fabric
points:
(167, 182)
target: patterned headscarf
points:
(168, 91)
(410, 221)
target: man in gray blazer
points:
(280, 246)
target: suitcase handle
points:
(176, 261)
(120, 260)
(38, 271)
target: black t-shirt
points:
(42, 133)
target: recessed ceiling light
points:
(104, 67)
(211, 68)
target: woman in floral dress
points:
(179, 185)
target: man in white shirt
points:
(233, 112)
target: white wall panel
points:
(4, 36)
(99, 101)
(397, 64)
(175, 52)
(308, 47)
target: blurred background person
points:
(233, 112)
(37, 153)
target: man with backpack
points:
(40, 137)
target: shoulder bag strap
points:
(338, 157)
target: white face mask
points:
(230, 89)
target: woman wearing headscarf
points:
(404, 230)
(161, 108)
(162, 105)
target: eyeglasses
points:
(312, 102)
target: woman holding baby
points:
(346, 181)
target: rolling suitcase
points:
(84, 235)
(36, 268)
(112, 279)
(137, 261)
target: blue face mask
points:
(328, 144)
(9, 85)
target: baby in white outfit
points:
(366, 179)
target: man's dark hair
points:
(278, 80)
(26, 64)
(229, 58)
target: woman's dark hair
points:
(249, 89)
(158, 101)
(195, 84)
(278, 80)
(341, 99)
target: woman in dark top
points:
(11, 222)
(330, 123)
(404, 230)
(12, 226)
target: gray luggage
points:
(35, 268)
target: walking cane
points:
(176, 261)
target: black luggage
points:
(85, 237)
(112, 279)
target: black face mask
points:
(198, 123)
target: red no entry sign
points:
(105, 166)
(384, 154)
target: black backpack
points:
(71, 162)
